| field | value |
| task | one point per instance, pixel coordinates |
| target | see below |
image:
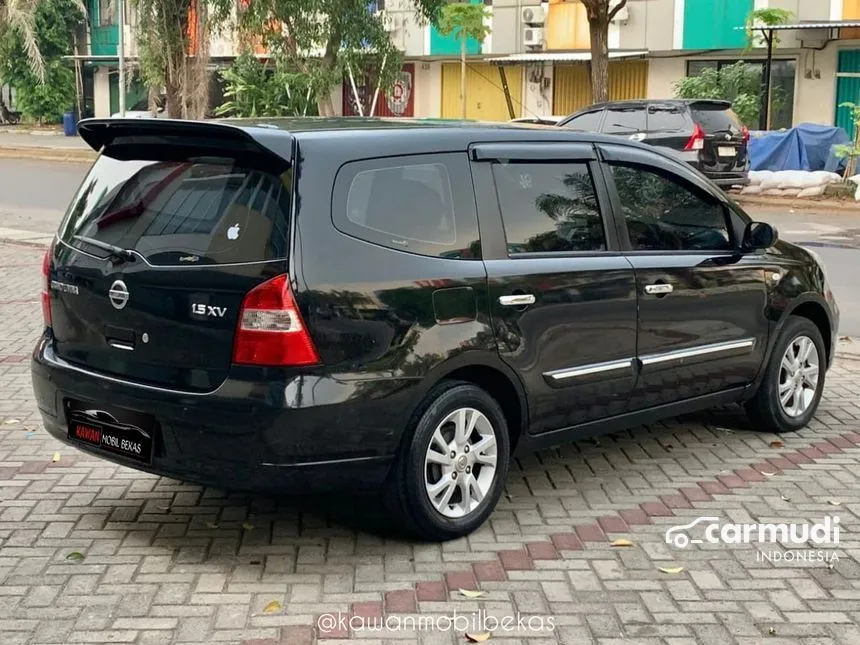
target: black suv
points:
(706, 134)
(288, 305)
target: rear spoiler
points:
(159, 139)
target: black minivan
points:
(288, 305)
(707, 134)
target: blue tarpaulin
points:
(806, 147)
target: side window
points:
(664, 214)
(625, 120)
(549, 207)
(588, 122)
(421, 204)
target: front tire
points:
(450, 473)
(794, 379)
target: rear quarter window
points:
(420, 204)
(181, 213)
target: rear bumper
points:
(306, 433)
(728, 178)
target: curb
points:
(35, 245)
(74, 155)
(798, 204)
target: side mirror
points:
(759, 235)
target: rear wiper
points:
(116, 252)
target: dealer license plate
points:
(112, 436)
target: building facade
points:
(543, 49)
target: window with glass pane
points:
(664, 214)
(625, 120)
(588, 122)
(549, 207)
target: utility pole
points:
(120, 50)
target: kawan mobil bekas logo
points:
(803, 541)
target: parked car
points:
(706, 134)
(141, 110)
(308, 304)
(538, 120)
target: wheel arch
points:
(490, 373)
(814, 308)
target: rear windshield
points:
(716, 118)
(209, 211)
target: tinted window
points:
(588, 122)
(666, 118)
(170, 212)
(419, 204)
(663, 214)
(549, 207)
(713, 118)
(625, 120)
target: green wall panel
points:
(448, 45)
(712, 24)
(847, 89)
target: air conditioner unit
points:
(623, 15)
(533, 15)
(533, 37)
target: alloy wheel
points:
(460, 464)
(798, 376)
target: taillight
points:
(746, 133)
(270, 329)
(697, 141)
(46, 286)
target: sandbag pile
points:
(790, 183)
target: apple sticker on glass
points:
(233, 232)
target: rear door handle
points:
(518, 300)
(660, 289)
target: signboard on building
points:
(398, 101)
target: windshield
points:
(188, 212)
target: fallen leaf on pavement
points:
(846, 339)
(771, 631)
(767, 474)
(833, 502)
(784, 498)
(75, 556)
(211, 525)
(248, 526)
(272, 608)
(776, 444)
(56, 457)
(478, 638)
(621, 542)
(672, 570)
(471, 593)
(10, 422)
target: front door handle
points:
(659, 289)
(517, 300)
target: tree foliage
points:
(464, 21)
(600, 13)
(739, 83)
(265, 88)
(322, 39)
(767, 17)
(45, 91)
(165, 33)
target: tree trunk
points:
(174, 98)
(599, 30)
(462, 77)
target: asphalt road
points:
(34, 196)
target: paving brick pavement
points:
(167, 562)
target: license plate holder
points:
(727, 151)
(108, 431)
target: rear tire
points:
(450, 473)
(794, 380)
